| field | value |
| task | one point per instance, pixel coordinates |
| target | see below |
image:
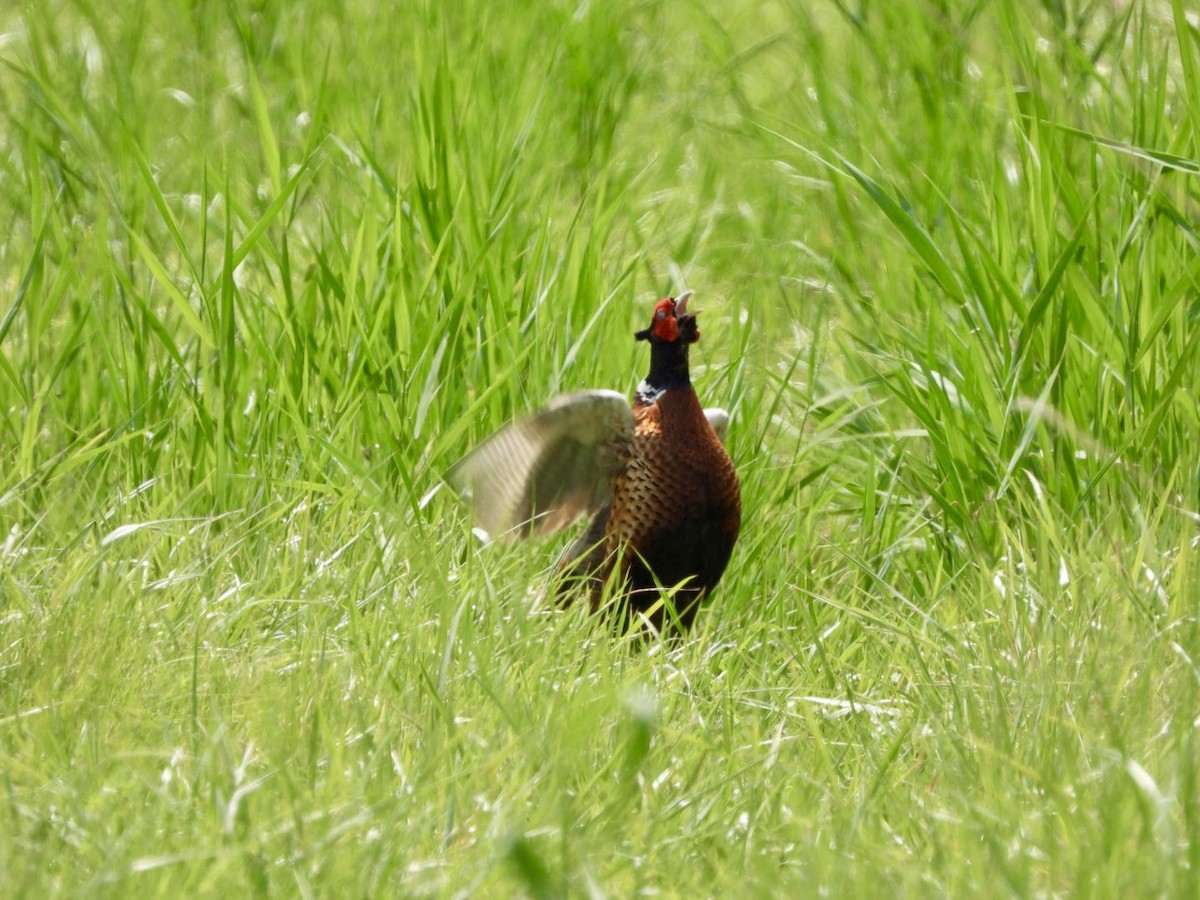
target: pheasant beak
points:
(683, 314)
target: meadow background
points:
(268, 269)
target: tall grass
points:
(270, 269)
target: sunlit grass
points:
(268, 272)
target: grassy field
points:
(269, 269)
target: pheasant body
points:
(661, 489)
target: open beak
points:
(681, 309)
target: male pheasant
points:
(655, 477)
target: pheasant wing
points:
(541, 472)
(718, 420)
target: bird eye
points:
(660, 315)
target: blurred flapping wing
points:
(542, 472)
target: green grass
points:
(269, 269)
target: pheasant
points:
(654, 476)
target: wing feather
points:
(542, 472)
(718, 419)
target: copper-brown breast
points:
(677, 503)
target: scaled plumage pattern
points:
(661, 490)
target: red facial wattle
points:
(666, 325)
